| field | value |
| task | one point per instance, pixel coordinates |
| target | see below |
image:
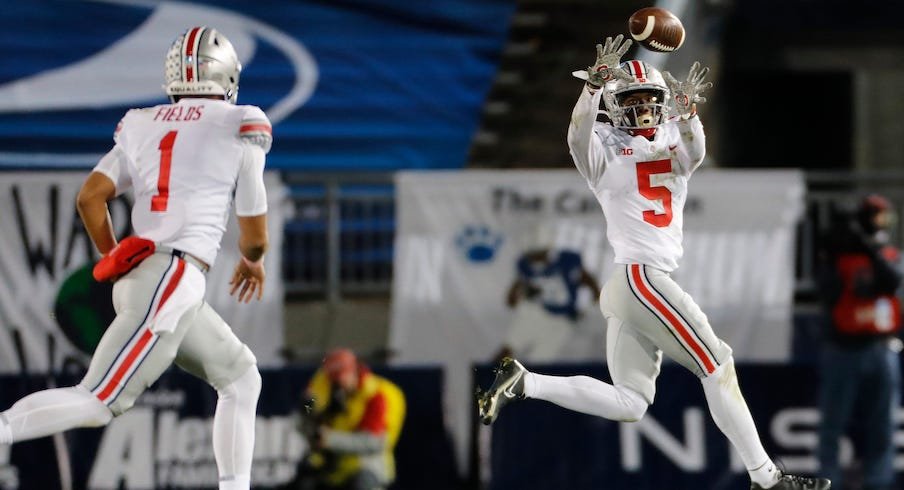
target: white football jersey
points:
(640, 184)
(185, 162)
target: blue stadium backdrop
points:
(349, 84)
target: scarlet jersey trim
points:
(251, 128)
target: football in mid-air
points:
(656, 29)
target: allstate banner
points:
(379, 84)
(49, 297)
(165, 440)
(491, 262)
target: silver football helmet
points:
(202, 62)
(644, 78)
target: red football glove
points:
(124, 257)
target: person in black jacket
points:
(860, 377)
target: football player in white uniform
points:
(638, 166)
(187, 163)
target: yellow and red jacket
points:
(365, 433)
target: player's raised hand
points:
(687, 94)
(608, 59)
(248, 279)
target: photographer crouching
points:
(351, 419)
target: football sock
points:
(730, 413)
(233, 430)
(587, 395)
(238, 482)
(50, 411)
(766, 476)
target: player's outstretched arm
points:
(248, 277)
(608, 61)
(689, 93)
(584, 147)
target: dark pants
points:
(862, 382)
(307, 478)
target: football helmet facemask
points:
(646, 79)
(202, 62)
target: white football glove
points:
(687, 94)
(608, 59)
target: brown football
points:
(656, 29)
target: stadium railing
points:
(340, 240)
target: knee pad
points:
(98, 414)
(248, 385)
(633, 404)
(726, 368)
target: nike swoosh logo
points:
(136, 81)
(508, 391)
(672, 147)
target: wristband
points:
(250, 264)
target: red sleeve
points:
(374, 419)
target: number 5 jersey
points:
(641, 184)
(186, 162)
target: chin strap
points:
(647, 133)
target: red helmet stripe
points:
(189, 48)
(638, 70)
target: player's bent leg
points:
(633, 365)
(579, 393)
(129, 358)
(588, 395)
(131, 355)
(652, 303)
(634, 360)
(50, 411)
(212, 352)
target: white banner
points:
(462, 235)
(47, 290)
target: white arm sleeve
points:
(114, 165)
(693, 144)
(585, 146)
(250, 193)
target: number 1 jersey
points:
(186, 162)
(640, 184)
